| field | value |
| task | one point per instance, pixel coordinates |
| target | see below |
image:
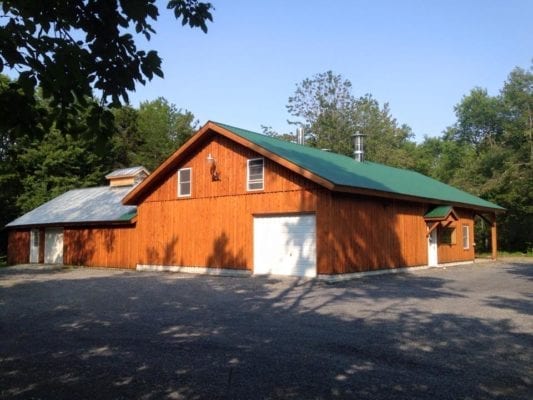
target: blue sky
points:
(421, 57)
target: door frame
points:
(433, 249)
(34, 246)
(53, 233)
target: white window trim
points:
(467, 237)
(179, 182)
(256, 181)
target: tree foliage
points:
(35, 169)
(70, 48)
(330, 114)
(148, 135)
(489, 152)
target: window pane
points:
(185, 188)
(185, 175)
(447, 235)
(466, 238)
(35, 238)
(184, 182)
(255, 174)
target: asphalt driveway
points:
(463, 332)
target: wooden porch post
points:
(494, 238)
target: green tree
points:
(287, 137)
(479, 120)
(70, 48)
(325, 106)
(55, 164)
(489, 152)
(148, 135)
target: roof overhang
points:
(80, 224)
(135, 196)
(399, 196)
(135, 171)
(441, 213)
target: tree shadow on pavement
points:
(148, 336)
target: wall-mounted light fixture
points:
(215, 174)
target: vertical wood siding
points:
(101, 247)
(455, 252)
(212, 231)
(18, 247)
(357, 233)
(231, 160)
(214, 227)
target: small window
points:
(447, 235)
(35, 237)
(184, 182)
(466, 237)
(256, 173)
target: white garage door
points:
(53, 246)
(285, 245)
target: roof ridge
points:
(344, 171)
(314, 149)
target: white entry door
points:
(53, 246)
(433, 259)
(285, 245)
(34, 246)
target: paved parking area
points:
(463, 332)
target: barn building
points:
(231, 200)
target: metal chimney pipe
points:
(358, 144)
(300, 135)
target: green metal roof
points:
(345, 171)
(439, 212)
(128, 216)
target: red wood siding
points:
(357, 233)
(100, 247)
(231, 160)
(18, 247)
(214, 227)
(213, 231)
(455, 252)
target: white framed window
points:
(255, 176)
(35, 237)
(184, 182)
(466, 237)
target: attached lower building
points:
(231, 199)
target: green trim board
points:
(345, 171)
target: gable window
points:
(184, 182)
(256, 174)
(466, 237)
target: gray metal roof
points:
(126, 172)
(99, 204)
